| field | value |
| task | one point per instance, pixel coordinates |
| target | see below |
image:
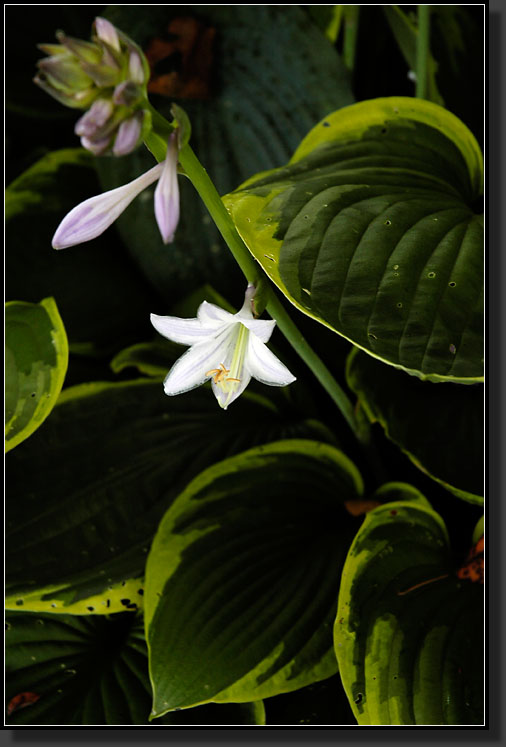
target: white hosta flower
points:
(92, 217)
(226, 349)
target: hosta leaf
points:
(242, 577)
(440, 428)
(86, 492)
(371, 230)
(91, 671)
(249, 108)
(36, 359)
(409, 632)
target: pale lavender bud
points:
(135, 67)
(95, 118)
(92, 217)
(97, 146)
(167, 193)
(128, 135)
(107, 33)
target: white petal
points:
(193, 368)
(213, 317)
(262, 328)
(183, 331)
(92, 217)
(264, 366)
(167, 194)
(233, 390)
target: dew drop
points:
(399, 305)
(431, 275)
(452, 284)
(452, 349)
(358, 698)
(70, 671)
(388, 222)
(396, 267)
(396, 274)
(373, 337)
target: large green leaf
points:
(36, 359)
(370, 229)
(242, 577)
(273, 75)
(91, 671)
(409, 631)
(97, 288)
(86, 492)
(440, 428)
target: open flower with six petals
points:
(226, 349)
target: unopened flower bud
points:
(128, 135)
(106, 32)
(97, 147)
(135, 68)
(83, 50)
(95, 118)
(108, 74)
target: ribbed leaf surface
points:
(91, 671)
(440, 428)
(409, 632)
(86, 492)
(371, 230)
(243, 574)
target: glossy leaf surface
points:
(370, 229)
(243, 574)
(36, 359)
(409, 632)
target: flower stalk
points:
(250, 268)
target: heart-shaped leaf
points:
(67, 670)
(243, 574)
(249, 108)
(440, 428)
(36, 359)
(370, 229)
(409, 631)
(86, 492)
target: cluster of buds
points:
(107, 76)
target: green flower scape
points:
(244, 397)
